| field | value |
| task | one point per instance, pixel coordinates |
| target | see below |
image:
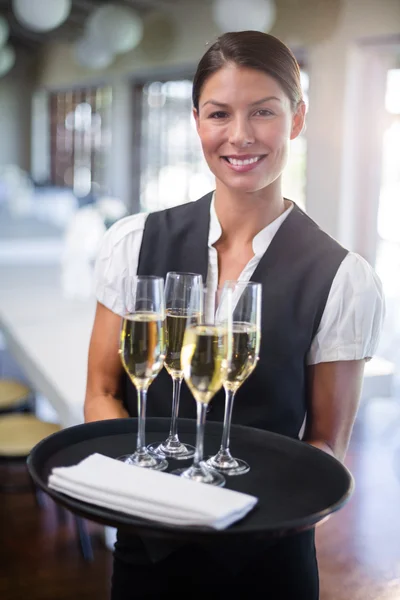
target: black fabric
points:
(287, 572)
(296, 272)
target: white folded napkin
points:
(150, 494)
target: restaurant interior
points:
(96, 124)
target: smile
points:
(245, 164)
(247, 161)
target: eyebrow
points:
(256, 103)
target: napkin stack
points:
(150, 494)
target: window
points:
(388, 255)
(388, 247)
(294, 175)
(389, 204)
(173, 168)
(80, 133)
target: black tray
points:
(297, 485)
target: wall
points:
(15, 110)
(338, 69)
(189, 28)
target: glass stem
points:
(176, 392)
(141, 444)
(229, 398)
(201, 421)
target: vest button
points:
(209, 408)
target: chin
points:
(246, 187)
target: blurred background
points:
(96, 124)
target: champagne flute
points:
(205, 362)
(183, 298)
(246, 336)
(142, 352)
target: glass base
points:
(145, 460)
(201, 474)
(172, 449)
(228, 465)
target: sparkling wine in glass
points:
(246, 335)
(142, 351)
(183, 298)
(205, 360)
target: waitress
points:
(321, 313)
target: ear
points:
(298, 120)
(196, 118)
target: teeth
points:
(240, 163)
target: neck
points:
(242, 215)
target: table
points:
(48, 334)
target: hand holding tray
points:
(296, 484)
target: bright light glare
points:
(392, 100)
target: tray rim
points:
(149, 527)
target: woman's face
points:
(245, 123)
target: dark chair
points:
(19, 433)
(14, 396)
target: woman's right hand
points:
(104, 368)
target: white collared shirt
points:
(353, 315)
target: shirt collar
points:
(215, 231)
(260, 242)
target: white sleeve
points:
(353, 315)
(117, 260)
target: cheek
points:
(278, 133)
(208, 142)
(210, 136)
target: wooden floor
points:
(358, 548)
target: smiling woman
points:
(255, 55)
(245, 123)
(321, 310)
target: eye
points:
(264, 112)
(219, 114)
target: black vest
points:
(296, 273)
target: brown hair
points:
(254, 50)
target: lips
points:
(243, 163)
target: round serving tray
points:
(297, 485)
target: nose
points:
(241, 133)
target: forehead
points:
(232, 82)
